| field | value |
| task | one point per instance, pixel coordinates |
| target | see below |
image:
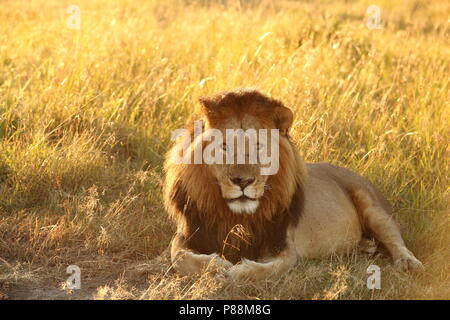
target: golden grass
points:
(86, 117)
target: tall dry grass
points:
(86, 117)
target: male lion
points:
(252, 225)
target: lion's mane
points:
(193, 198)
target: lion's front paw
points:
(407, 261)
(217, 264)
(240, 272)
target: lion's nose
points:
(242, 182)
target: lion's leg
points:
(186, 262)
(382, 225)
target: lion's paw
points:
(408, 262)
(218, 264)
(242, 271)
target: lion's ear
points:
(209, 108)
(283, 119)
(207, 104)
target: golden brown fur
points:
(303, 211)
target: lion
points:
(254, 226)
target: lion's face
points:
(242, 185)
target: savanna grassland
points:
(86, 117)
